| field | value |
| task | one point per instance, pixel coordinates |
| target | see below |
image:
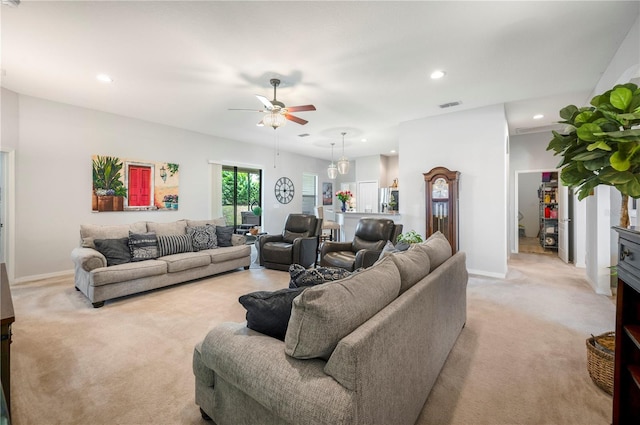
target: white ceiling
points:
(365, 65)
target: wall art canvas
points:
(122, 184)
(327, 193)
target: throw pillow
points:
(203, 237)
(269, 312)
(143, 246)
(389, 248)
(174, 244)
(301, 277)
(414, 264)
(116, 251)
(224, 234)
(321, 316)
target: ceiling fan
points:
(276, 111)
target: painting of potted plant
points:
(168, 200)
(106, 180)
(174, 203)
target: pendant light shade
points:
(273, 119)
(332, 171)
(343, 162)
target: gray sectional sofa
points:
(99, 281)
(366, 349)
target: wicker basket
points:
(600, 360)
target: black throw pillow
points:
(116, 251)
(269, 312)
(302, 277)
(224, 235)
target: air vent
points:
(304, 135)
(450, 104)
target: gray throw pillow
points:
(223, 233)
(203, 237)
(143, 246)
(269, 312)
(116, 251)
(174, 244)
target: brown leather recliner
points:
(298, 243)
(370, 238)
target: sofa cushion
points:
(163, 229)
(220, 255)
(220, 221)
(116, 251)
(301, 276)
(413, 264)
(224, 234)
(289, 237)
(174, 244)
(127, 272)
(203, 237)
(89, 232)
(143, 246)
(186, 261)
(438, 248)
(269, 312)
(322, 315)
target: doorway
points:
(241, 194)
(543, 222)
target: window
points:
(241, 193)
(309, 193)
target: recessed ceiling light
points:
(392, 151)
(104, 78)
(363, 140)
(437, 74)
(538, 116)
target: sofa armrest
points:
(237, 240)
(88, 259)
(305, 251)
(298, 391)
(366, 258)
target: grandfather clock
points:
(442, 203)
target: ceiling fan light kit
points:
(343, 162)
(277, 112)
(332, 171)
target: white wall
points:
(473, 142)
(53, 175)
(9, 139)
(529, 202)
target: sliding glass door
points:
(241, 193)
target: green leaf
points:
(632, 134)
(599, 145)
(588, 156)
(631, 188)
(621, 98)
(619, 161)
(597, 164)
(568, 112)
(631, 116)
(614, 177)
(583, 117)
(586, 132)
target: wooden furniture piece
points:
(626, 376)
(442, 204)
(8, 317)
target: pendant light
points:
(332, 171)
(343, 162)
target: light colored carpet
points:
(521, 359)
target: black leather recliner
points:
(370, 238)
(298, 243)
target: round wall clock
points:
(284, 190)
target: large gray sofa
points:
(100, 282)
(366, 349)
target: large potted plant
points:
(602, 145)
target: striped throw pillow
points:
(174, 244)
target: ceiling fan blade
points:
(301, 108)
(260, 124)
(295, 119)
(266, 102)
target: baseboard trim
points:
(487, 274)
(42, 276)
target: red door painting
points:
(139, 186)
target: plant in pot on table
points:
(406, 239)
(344, 196)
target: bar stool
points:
(332, 226)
